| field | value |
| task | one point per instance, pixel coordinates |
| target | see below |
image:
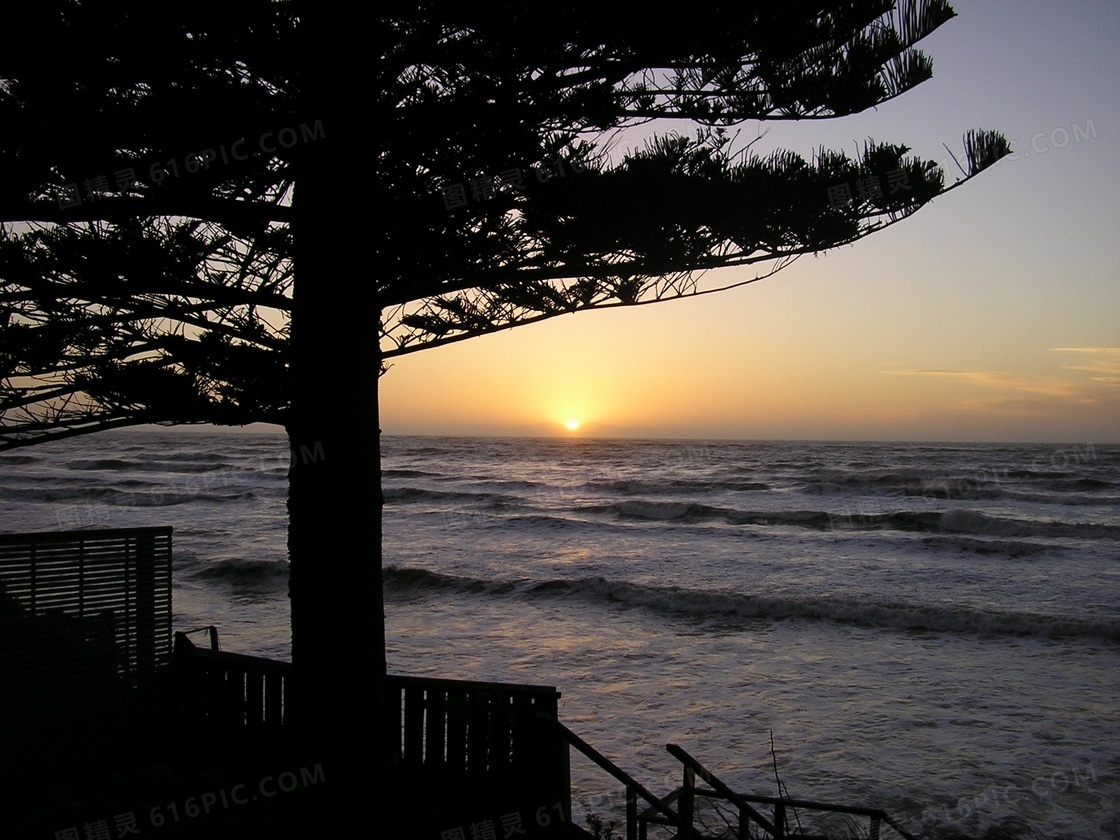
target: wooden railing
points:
(224, 695)
(465, 751)
(686, 796)
(471, 727)
(634, 789)
(678, 810)
(453, 726)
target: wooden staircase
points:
(679, 812)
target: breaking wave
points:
(705, 606)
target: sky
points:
(993, 314)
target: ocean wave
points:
(180, 496)
(422, 580)
(402, 473)
(815, 520)
(960, 520)
(443, 449)
(970, 522)
(1005, 548)
(1089, 484)
(987, 485)
(639, 487)
(905, 484)
(666, 511)
(413, 495)
(72, 494)
(818, 520)
(547, 522)
(155, 496)
(706, 606)
(184, 465)
(952, 521)
(18, 460)
(1071, 499)
(104, 464)
(961, 489)
(210, 456)
(246, 569)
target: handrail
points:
(782, 802)
(612, 768)
(211, 633)
(889, 820)
(698, 768)
(475, 685)
(809, 805)
(188, 651)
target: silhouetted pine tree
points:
(238, 212)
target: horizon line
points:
(270, 428)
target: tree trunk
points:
(335, 500)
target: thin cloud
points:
(1102, 362)
(1113, 350)
(1025, 407)
(1000, 380)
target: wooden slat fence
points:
(85, 628)
(116, 584)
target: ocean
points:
(933, 629)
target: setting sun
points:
(572, 425)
